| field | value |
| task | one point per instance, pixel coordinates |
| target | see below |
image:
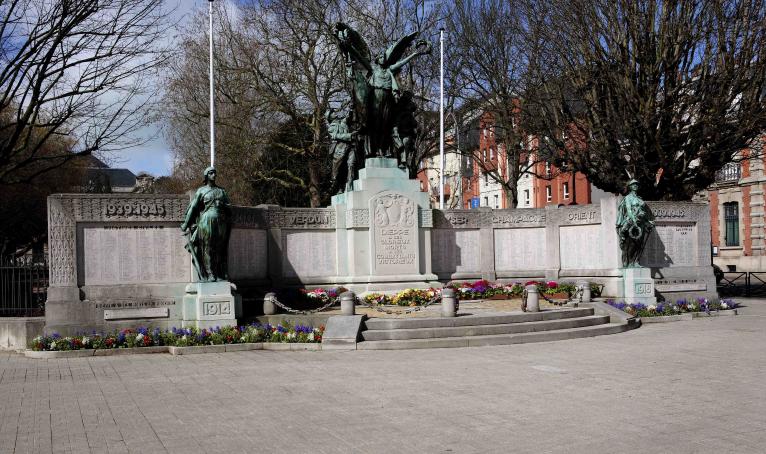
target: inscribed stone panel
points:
(519, 249)
(671, 245)
(394, 231)
(455, 250)
(247, 254)
(308, 253)
(580, 247)
(135, 254)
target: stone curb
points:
(688, 316)
(57, 354)
(725, 313)
(668, 318)
(129, 351)
(197, 349)
(291, 347)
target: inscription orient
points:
(582, 216)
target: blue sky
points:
(154, 156)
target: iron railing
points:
(742, 283)
(23, 286)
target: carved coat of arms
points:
(394, 210)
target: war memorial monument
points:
(121, 260)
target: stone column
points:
(449, 303)
(269, 308)
(533, 299)
(585, 286)
(347, 303)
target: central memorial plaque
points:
(394, 234)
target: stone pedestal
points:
(638, 286)
(383, 231)
(211, 304)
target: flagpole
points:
(441, 118)
(212, 105)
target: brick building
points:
(544, 185)
(737, 201)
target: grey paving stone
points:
(695, 386)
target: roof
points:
(121, 178)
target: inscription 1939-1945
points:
(134, 209)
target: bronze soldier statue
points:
(343, 152)
(634, 224)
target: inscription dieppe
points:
(395, 244)
(395, 247)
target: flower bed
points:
(678, 307)
(407, 297)
(484, 289)
(181, 337)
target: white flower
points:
(724, 306)
(85, 341)
(291, 335)
(652, 307)
(139, 337)
(53, 345)
(311, 336)
(465, 290)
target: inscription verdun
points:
(395, 248)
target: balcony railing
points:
(730, 173)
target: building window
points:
(731, 222)
(486, 179)
(497, 204)
(486, 201)
(548, 193)
(547, 169)
(526, 197)
(566, 190)
(491, 153)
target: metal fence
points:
(742, 283)
(23, 286)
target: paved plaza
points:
(686, 387)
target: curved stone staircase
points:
(491, 329)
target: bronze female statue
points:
(634, 224)
(208, 224)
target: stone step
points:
(499, 339)
(473, 320)
(484, 330)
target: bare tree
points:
(75, 69)
(662, 91)
(487, 58)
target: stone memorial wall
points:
(117, 258)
